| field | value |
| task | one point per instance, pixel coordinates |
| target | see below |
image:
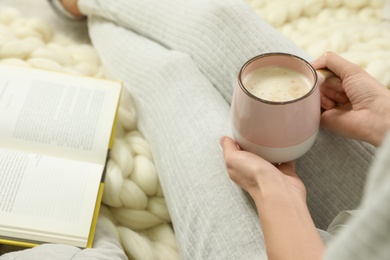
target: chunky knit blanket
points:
(134, 206)
(358, 30)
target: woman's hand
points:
(280, 198)
(257, 176)
(356, 105)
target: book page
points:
(50, 195)
(70, 116)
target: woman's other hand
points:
(355, 104)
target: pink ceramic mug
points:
(278, 131)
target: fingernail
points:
(326, 102)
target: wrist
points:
(287, 224)
(285, 199)
(277, 191)
(279, 185)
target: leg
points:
(218, 35)
(235, 30)
(183, 117)
(334, 172)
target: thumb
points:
(228, 143)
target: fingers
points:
(332, 93)
(338, 65)
(327, 103)
(290, 164)
(235, 157)
(287, 168)
(229, 146)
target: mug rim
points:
(246, 64)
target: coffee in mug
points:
(277, 84)
(275, 107)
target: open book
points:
(55, 133)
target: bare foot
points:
(71, 6)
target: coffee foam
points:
(278, 84)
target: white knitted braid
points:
(134, 206)
(355, 29)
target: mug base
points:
(276, 154)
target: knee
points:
(217, 11)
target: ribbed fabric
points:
(334, 172)
(218, 35)
(212, 217)
(179, 59)
(366, 235)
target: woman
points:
(179, 60)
